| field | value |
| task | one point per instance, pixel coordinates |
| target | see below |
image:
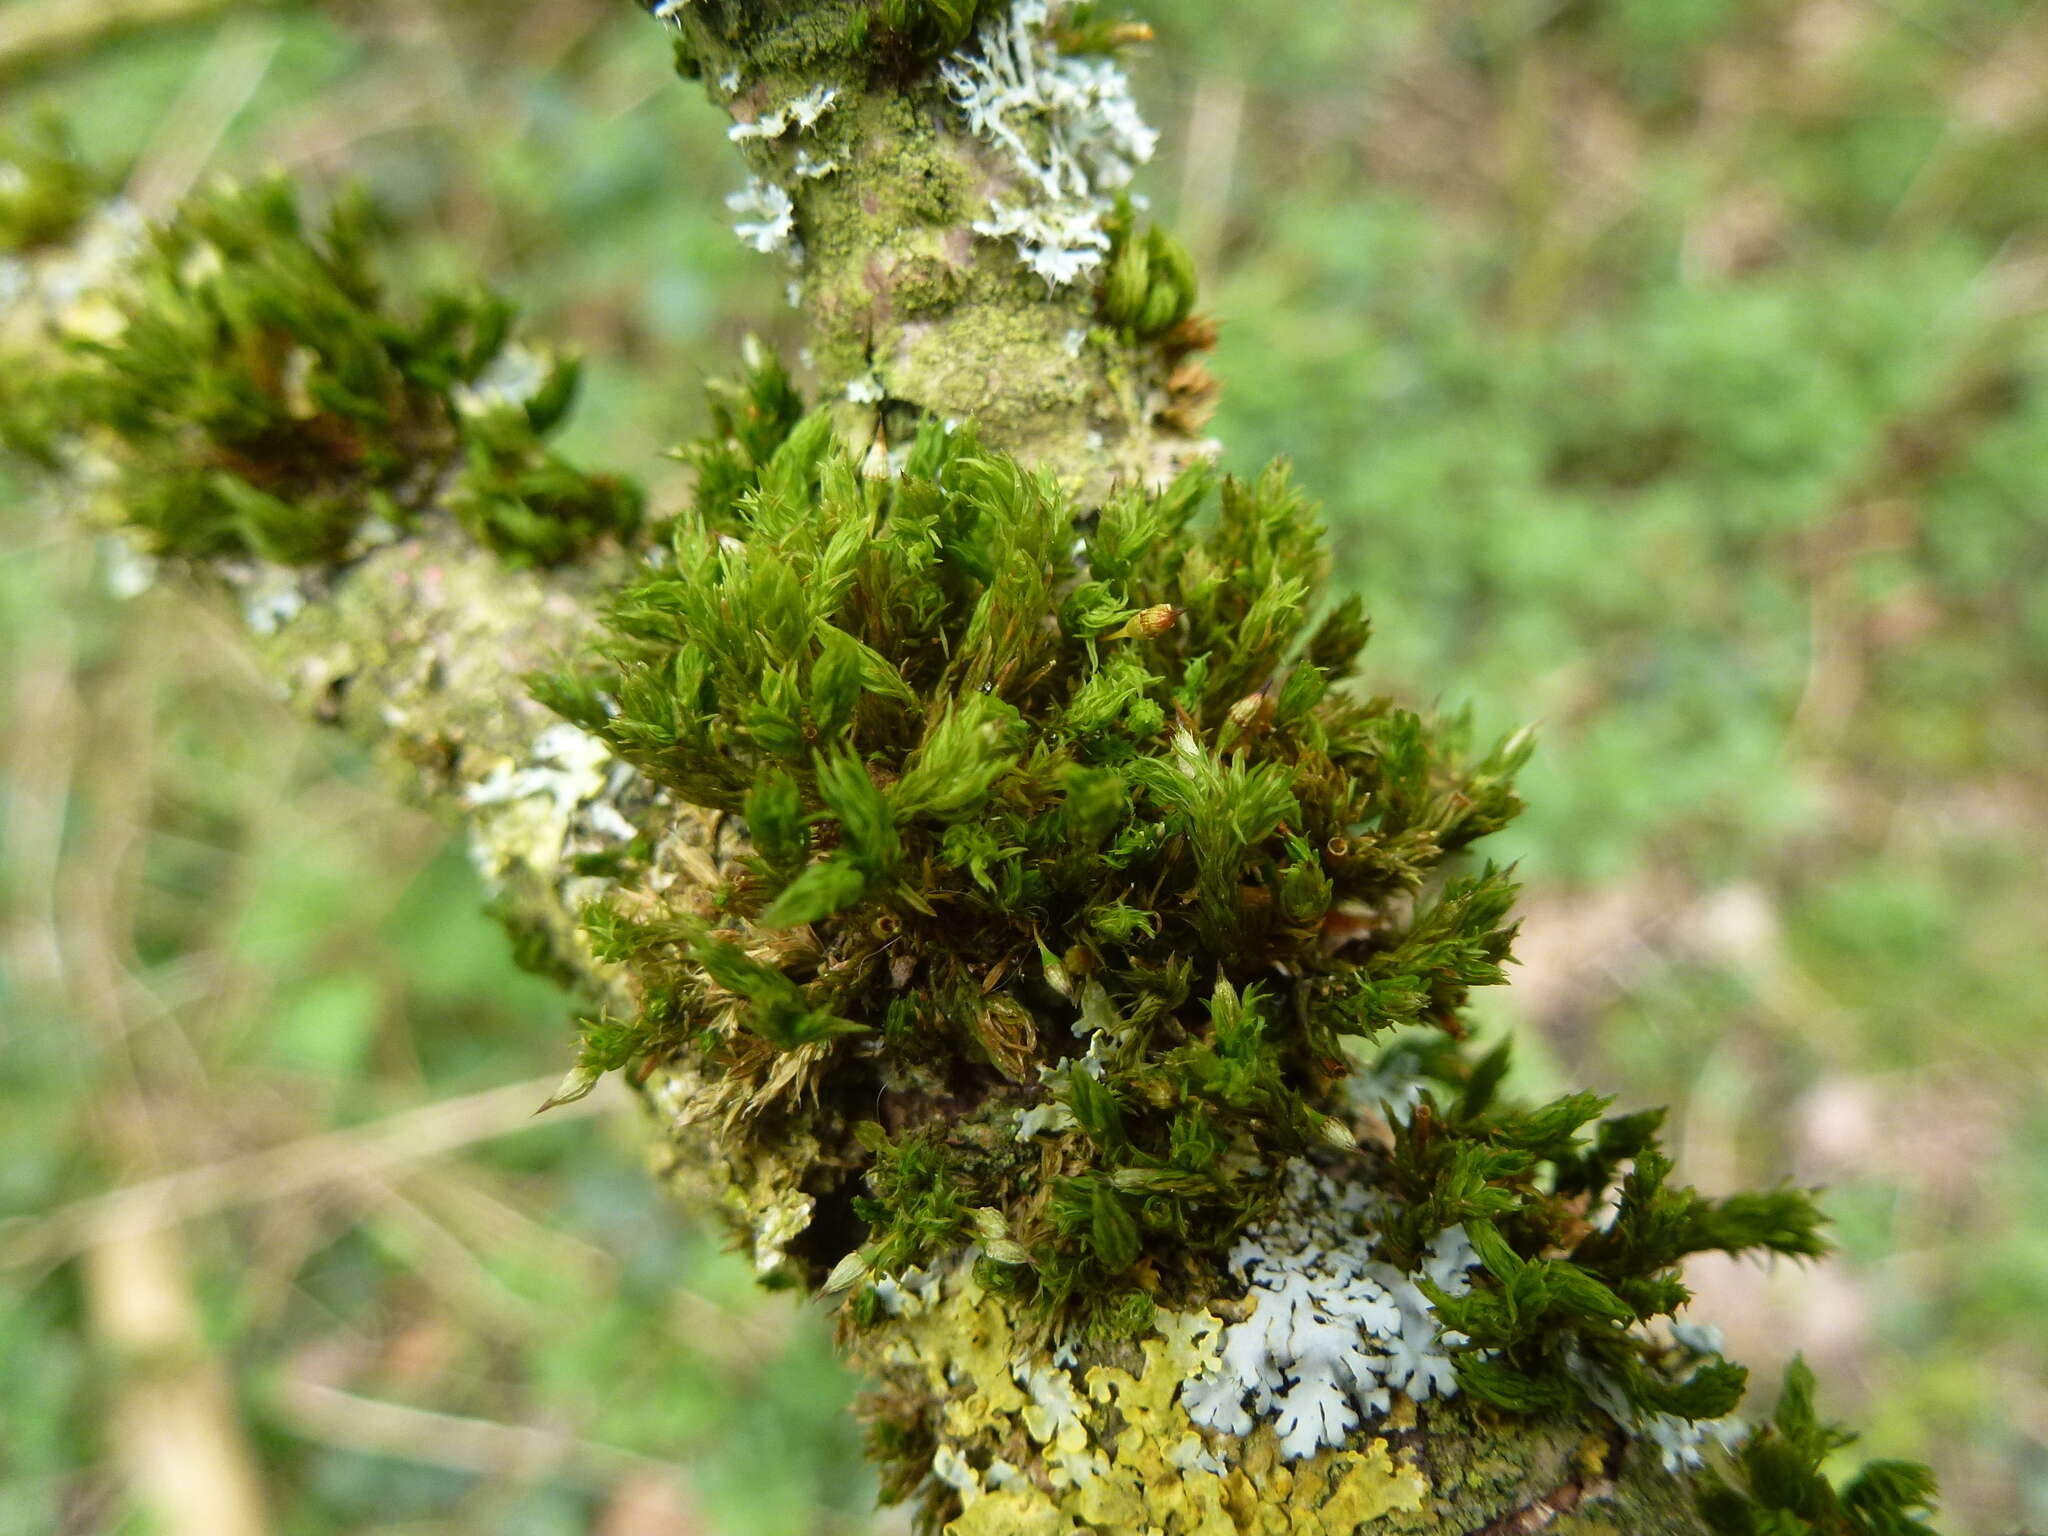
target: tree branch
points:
(968, 853)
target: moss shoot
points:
(258, 392)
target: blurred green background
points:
(1676, 377)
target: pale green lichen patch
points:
(759, 1195)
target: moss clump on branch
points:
(1573, 1216)
(1149, 286)
(1049, 811)
(258, 393)
(885, 37)
(1077, 874)
(930, 26)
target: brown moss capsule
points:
(1252, 711)
(1150, 623)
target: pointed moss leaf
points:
(1493, 1250)
(1783, 1221)
(1505, 1387)
(835, 682)
(778, 1012)
(1485, 1081)
(1095, 1110)
(1795, 1418)
(576, 1084)
(1112, 1229)
(867, 826)
(793, 470)
(1094, 800)
(1575, 1291)
(775, 819)
(821, 890)
(1714, 1390)
(551, 403)
(950, 775)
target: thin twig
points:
(525, 1452)
(213, 98)
(279, 1173)
(38, 32)
(373, 1427)
(187, 1459)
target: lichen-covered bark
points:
(1098, 1440)
(912, 312)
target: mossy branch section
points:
(1025, 788)
(418, 651)
(250, 388)
(239, 400)
(912, 313)
(1073, 868)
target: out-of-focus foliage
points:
(1781, 1487)
(1676, 367)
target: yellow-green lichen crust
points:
(1018, 1443)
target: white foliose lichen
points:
(1333, 1332)
(1392, 1085)
(97, 255)
(271, 595)
(1681, 1443)
(71, 290)
(567, 789)
(1055, 1113)
(1070, 129)
(130, 570)
(809, 168)
(801, 113)
(508, 382)
(767, 217)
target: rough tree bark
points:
(950, 264)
